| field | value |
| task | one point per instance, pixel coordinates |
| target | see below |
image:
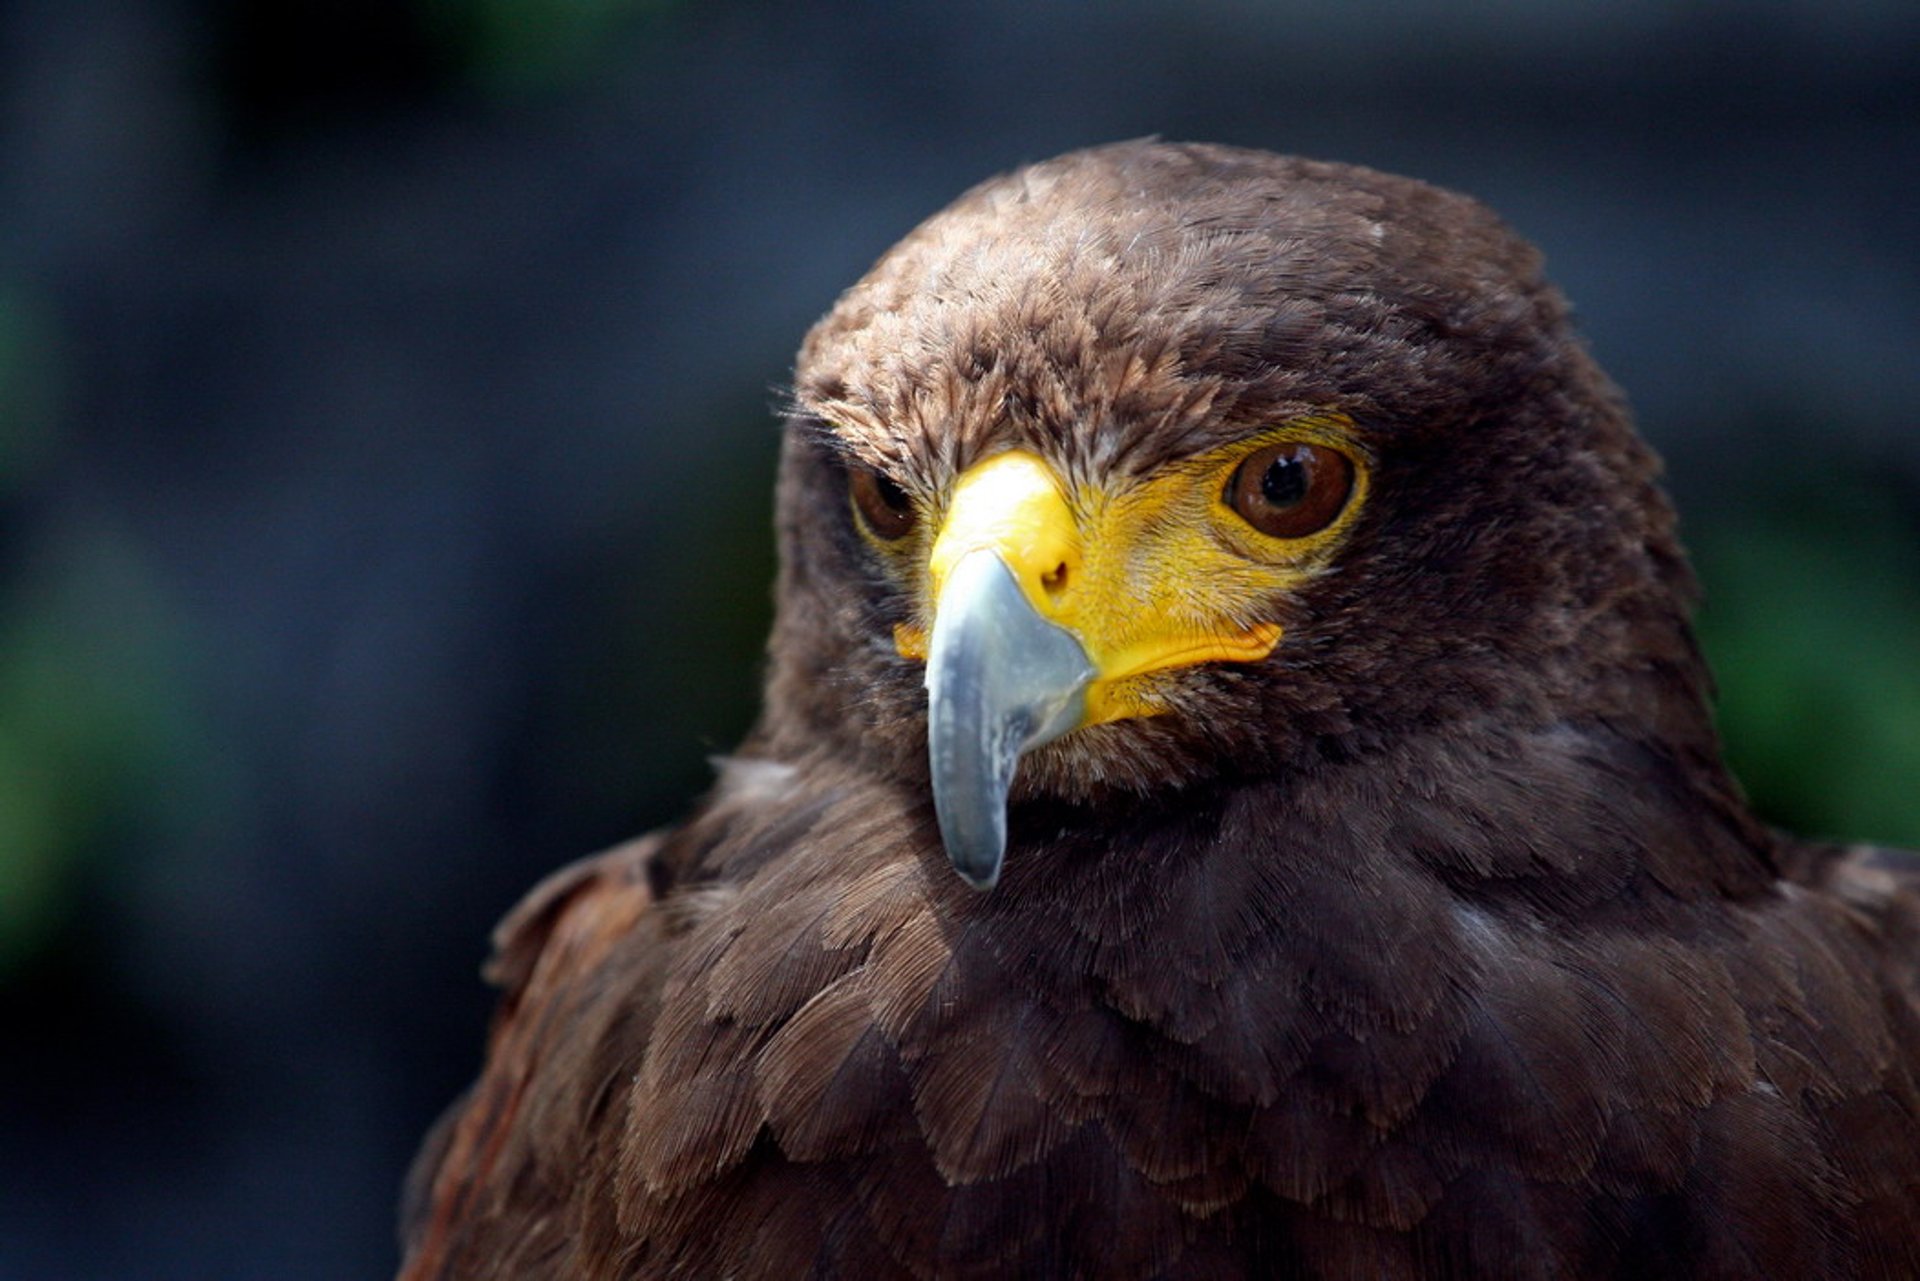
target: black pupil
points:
(891, 494)
(1285, 480)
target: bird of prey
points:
(1236, 798)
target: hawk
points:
(1236, 798)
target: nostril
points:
(1055, 579)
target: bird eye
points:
(882, 504)
(1291, 489)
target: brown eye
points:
(1291, 490)
(882, 504)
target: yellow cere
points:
(1155, 573)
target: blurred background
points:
(385, 454)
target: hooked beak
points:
(1001, 680)
(1039, 628)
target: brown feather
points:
(1438, 944)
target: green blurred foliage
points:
(93, 722)
(645, 685)
(534, 43)
(1812, 622)
(92, 708)
(30, 862)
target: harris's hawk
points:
(1236, 571)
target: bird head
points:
(1154, 464)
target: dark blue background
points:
(385, 452)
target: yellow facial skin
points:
(1151, 575)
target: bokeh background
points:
(385, 452)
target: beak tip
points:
(981, 883)
(976, 857)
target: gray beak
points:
(1001, 680)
